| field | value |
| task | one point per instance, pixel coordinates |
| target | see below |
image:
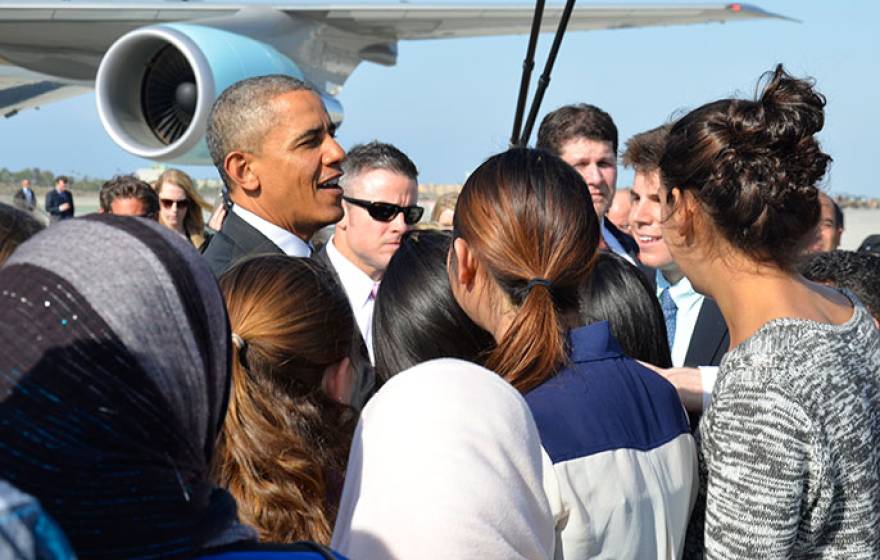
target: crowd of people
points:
(546, 368)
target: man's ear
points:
(338, 381)
(239, 168)
(462, 263)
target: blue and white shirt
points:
(624, 460)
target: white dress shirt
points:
(689, 303)
(613, 244)
(359, 288)
(291, 245)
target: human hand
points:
(687, 381)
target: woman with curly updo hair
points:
(285, 441)
(791, 466)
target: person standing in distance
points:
(273, 143)
(59, 201)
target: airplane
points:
(157, 66)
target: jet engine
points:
(156, 85)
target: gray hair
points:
(376, 155)
(243, 114)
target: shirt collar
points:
(290, 244)
(355, 281)
(593, 342)
(682, 292)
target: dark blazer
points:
(235, 241)
(54, 199)
(366, 383)
(710, 339)
(627, 242)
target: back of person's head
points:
(446, 457)
(575, 121)
(528, 220)
(243, 114)
(115, 359)
(753, 166)
(619, 293)
(856, 271)
(375, 155)
(416, 319)
(16, 227)
(123, 187)
(194, 222)
(285, 440)
(644, 151)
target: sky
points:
(449, 104)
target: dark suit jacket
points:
(628, 243)
(54, 199)
(366, 382)
(710, 339)
(235, 241)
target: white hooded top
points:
(446, 462)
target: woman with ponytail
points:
(285, 441)
(526, 237)
(789, 445)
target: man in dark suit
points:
(381, 191)
(59, 201)
(273, 143)
(585, 137)
(25, 198)
(698, 336)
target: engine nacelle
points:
(156, 85)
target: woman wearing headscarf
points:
(114, 386)
(455, 475)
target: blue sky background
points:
(449, 104)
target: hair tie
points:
(238, 341)
(538, 282)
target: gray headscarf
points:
(113, 387)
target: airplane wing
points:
(404, 21)
(21, 89)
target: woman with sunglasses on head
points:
(181, 205)
(789, 444)
(525, 240)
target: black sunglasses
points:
(385, 211)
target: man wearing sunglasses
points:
(380, 185)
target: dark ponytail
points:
(529, 219)
(754, 166)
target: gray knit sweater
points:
(791, 443)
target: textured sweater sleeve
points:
(757, 453)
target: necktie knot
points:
(374, 290)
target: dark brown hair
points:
(16, 227)
(753, 166)
(129, 186)
(644, 150)
(285, 443)
(526, 214)
(575, 121)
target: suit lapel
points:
(710, 339)
(246, 239)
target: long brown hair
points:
(194, 222)
(527, 215)
(285, 443)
